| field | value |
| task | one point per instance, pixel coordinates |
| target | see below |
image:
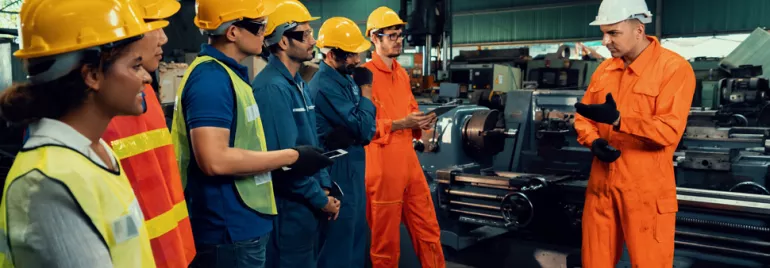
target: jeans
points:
(241, 254)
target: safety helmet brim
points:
(166, 9)
(158, 24)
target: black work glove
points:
(606, 112)
(602, 150)
(310, 161)
(339, 138)
(362, 76)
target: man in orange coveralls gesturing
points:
(395, 183)
(631, 193)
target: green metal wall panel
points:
(704, 17)
(559, 23)
(556, 23)
(355, 10)
(464, 5)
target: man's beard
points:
(393, 55)
(302, 56)
(346, 69)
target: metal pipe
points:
(426, 56)
(482, 221)
(725, 239)
(489, 181)
(723, 249)
(471, 194)
(474, 205)
(659, 19)
(444, 52)
(525, 8)
(477, 214)
(722, 225)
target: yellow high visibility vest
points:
(105, 196)
(255, 191)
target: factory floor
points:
(502, 251)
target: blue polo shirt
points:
(217, 213)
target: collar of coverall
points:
(276, 63)
(335, 75)
(637, 67)
(381, 64)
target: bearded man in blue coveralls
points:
(289, 120)
(346, 120)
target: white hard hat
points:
(614, 11)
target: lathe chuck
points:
(478, 137)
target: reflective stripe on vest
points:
(255, 191)
(143, 145)
(140, 143)
(104, 196)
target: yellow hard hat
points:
(382, 17)
(287, 14)
(52, 27)
(342, 33)
(159, 9)
(210, 14)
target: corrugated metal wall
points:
(357, 11)
(527, 20)
(521, 21)
(706, 17)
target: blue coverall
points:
(288, 119)
(338, 103)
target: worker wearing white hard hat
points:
(631, 195)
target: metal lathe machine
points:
(513, 164)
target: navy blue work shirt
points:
(217, 213)
(338, 102)
(289, 120)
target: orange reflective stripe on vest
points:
(143, 145)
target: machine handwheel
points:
(517, 209)
(749, 187)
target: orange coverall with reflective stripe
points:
(143, 146)
(634, 198)
(396, 188)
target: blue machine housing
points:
(518, 169)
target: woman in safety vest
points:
(66, 200)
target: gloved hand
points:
(310, 161)
(606, 112)
(362, 76)
(339, 138)
(602, 150)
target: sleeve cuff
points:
(319, 200)
(326, 181)
(366, 104)
(384, 127)
(590, 139)
(623, 124)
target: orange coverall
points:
(634, 198)
(396, 188)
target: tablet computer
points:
(442, 109)
(330, 154)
